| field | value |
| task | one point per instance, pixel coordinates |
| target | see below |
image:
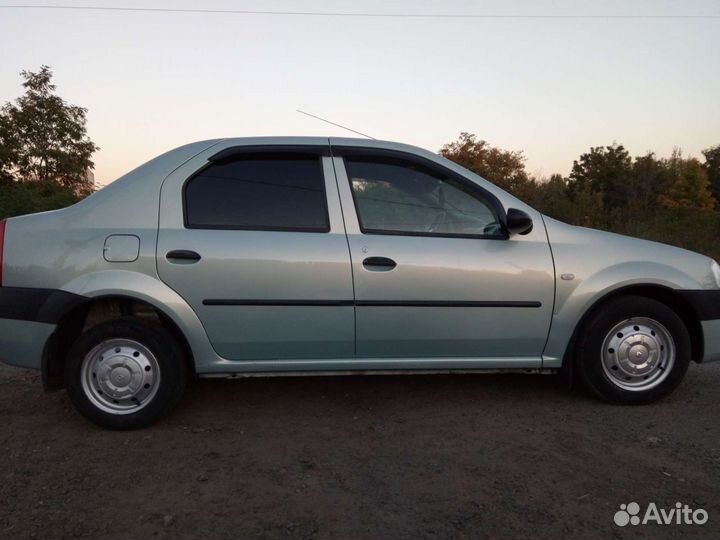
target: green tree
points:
(649, 178)
(550, 197)
(712, 168)
(44, 139)
(666, 200)
(505, 169)
(606, 170)
(688, 185)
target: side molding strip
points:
(234, 302)
(374, 303)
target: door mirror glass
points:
(518, 222)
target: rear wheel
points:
(125, 374)
(633, 350)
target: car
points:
(307, 255)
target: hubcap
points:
(120, 376)
(638, 354)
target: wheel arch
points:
(660, 293)
(95, 310)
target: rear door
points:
(254, 241)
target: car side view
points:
(288, 255)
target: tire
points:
(125, 374)
(633, 350)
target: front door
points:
(254, 242)
(435, 274)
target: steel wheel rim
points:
(120, 376)
(638, 354)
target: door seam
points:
(347, 242)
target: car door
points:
(435, 274)
(254, 241)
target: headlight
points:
(716, 273)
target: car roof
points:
(320, 141)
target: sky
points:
(551, 87)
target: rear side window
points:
(265, 191)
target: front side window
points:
(396, 196)
(262, 191)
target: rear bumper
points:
(28, 317)
(22, 342)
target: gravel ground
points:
(465, 456)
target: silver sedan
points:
(295, 255)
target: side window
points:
(262, 191)
(395, 196)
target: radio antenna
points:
(334, 124)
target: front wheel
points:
(125, 374)
(633, 350)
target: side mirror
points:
(518, 222)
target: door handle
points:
(379, 263)
(184, 255)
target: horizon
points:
(551, 88)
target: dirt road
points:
(493, 456)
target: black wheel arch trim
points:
(62, 308)
(38, 305)
(704, 304)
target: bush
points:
(694, 230)
(18, 198)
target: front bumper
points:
(711, 341)
(706, 304)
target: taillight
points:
(2, 242)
